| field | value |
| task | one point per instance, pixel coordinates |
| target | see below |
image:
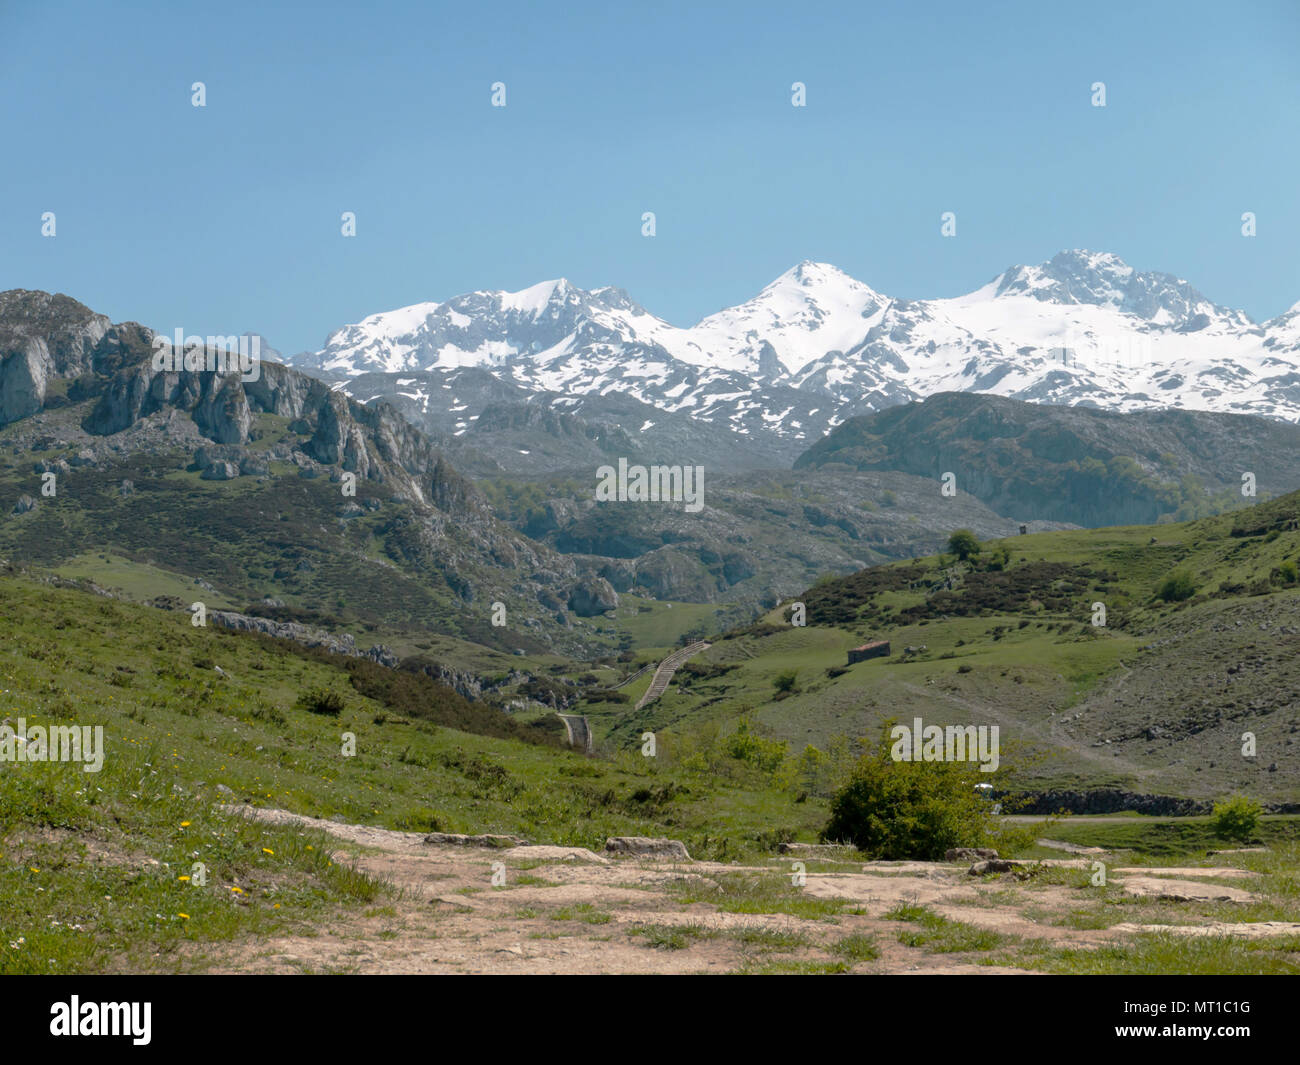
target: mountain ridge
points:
(816, 346)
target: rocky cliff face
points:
(43, 336)
(114, 405)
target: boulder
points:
(382, 655)
(592, 596)
(220, 471)
(992, 865)
(968, 854)
(647, 847)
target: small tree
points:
(963, 544)
(1236, 818)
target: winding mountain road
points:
(664, 674)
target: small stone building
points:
(875, 649)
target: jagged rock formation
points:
(120, 404)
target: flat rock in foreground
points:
(819, 850)
(455, 839)
(1183, 890)
(546, 853)
(647, 847)
(1246, 930)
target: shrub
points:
(321, 701)
(895, 810)
(1178, 586)
(747, 746)
(963, 544)
(784, 682)
(1236, 818)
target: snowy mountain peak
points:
(816, 346)
(1077, 276)
(536, 298)
(1101, 279)
(816, 276)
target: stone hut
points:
(875, 649)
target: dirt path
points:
(463, 905)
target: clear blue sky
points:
(226, 218)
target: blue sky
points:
(226, 218)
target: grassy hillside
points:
(1156, 700)
(1071, 464)
(90, 863)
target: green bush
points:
(747, 746)
(784, 682)
(1178, 586)
(1286, 573)
(895, 810)
(321, 701)
(963, 544)
(1236, 818)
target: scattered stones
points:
(968, 854)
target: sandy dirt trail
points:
(570, 910)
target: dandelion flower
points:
(182, 878)
(185, 824)
(185, 915)
(267, 850)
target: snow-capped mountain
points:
(816, 347)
